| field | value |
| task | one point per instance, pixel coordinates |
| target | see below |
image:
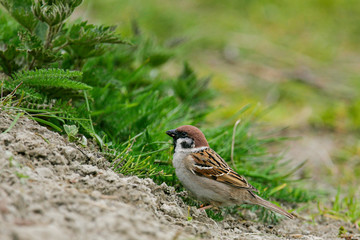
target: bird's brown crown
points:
(194, 133)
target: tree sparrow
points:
(207, 176)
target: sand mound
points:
(53, 189)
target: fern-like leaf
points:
(28, 92)
(57, 78)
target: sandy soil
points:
(52, 189)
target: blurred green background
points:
(298, 57)
(296, 60)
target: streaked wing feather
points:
(207, 163)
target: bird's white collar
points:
(178, 149)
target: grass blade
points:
(47, 123)
(13, 122)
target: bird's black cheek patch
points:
(186, 145)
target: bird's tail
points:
(272, 207)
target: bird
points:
(208, 177)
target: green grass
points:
(345, 207)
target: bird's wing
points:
(207, 163)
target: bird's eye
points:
(183, 134)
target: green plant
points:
(36, 46)
(19, 169)
(345, 207)
(51, 78)
(71, 131)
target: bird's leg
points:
(202, 207)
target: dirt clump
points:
(53, 189)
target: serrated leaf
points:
(84, 40)
(21, 11)
(29, 41)
(71, 131)
(27, 91)
(51, 78)
(90, 34)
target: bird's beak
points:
(171, 133)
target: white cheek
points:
(178, 144)
(179, 147)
